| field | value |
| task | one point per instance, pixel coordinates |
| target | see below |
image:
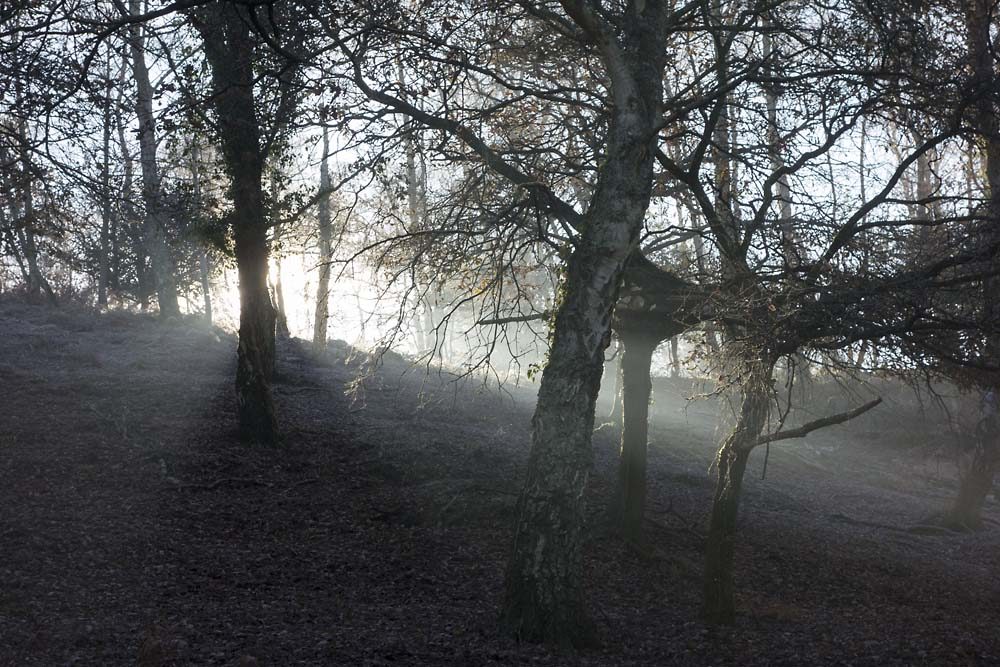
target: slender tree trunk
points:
(321, 320)
(155, 218)
(105, 239)
(617, 400)
(204, 261)
(719, 599)
(36, 279)
(281, 321)
(205, 269)
(675, 356)
(637, 355)
(26, 225)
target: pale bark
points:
(155, 220)
(544, 599)
(204, 261)
(325, 223)
(104, 271)
(281, 316)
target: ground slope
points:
(135, 528)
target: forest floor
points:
(135, 529)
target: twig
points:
(178, 485)
(515, 318)
(301, 482)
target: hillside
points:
(136, 528)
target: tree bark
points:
(719, 601)
(205, 269)
(977, 480)
(637, 355)
(543, 597)
(104, 271)
(229, 48)
(155, 219)
(281, 316)
(976, 471)
(204, 262)
(321, 320)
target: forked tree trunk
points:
(719, 599)
(630, 500)
(37, 282)
(229, 48)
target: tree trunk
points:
(204, 261)
(281, 321)
(229, 48)
(543, 598)
(205, 267)
(320, 322)
(977, 480)
(637, 355)
(26, 224)
(976, 471)
(675, 356)
(255, 352)
(104, 271)
(719, 602)
(155, 220)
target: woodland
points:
(566, 332)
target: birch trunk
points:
(155, 220)
(204, 261)
(321, 320)
(544, 597)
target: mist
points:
(578, 332)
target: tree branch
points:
(809, 427)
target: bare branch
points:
(816, 424)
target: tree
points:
(154, 224)
(232, 51)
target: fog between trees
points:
(783, 194)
